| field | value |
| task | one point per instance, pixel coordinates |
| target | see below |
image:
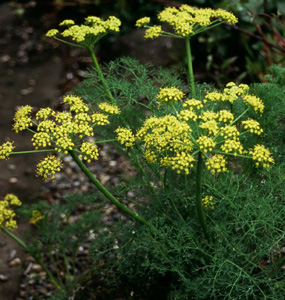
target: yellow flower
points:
(36, 217)
(206, 143)
(216, 164)
(67, 23)
(255, 102)
(125, 136)
(181, 162)
(232, 92)
(187, 114)
(232, 146)
(208, 115)
(186, 19)
(225, 116)
(113, 24)
(48, 167)
(100, 119)
(214, 97)
(109, 108)
(143, 21)
(63, 117)
(12, 199)
(41, 139)
(253, 126)
(208, 202)
(63, 144)
(193, 103)
(90, 32)
(47, 126)
(22, 118)
(6, 149)
(169, 95)
(153, 32)
(52, 33)
(211, 126)
(44, 113)
(7, 214)
(89, 151)
(76, 103)
(262, 156)
(229, 132)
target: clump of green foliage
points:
(244, 259)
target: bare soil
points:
(23, 80)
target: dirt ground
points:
(21, 82)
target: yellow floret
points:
(36, 217)
(143, 21)
(253, 126)
(52, 33)
(109, 108)
(41, 139)
(255, 102)
(216, 164)
(67, 23)
(125, 136)
(89, 151)
(48, 167)
(206, 143)
(208, 202)
(6, 149)
(262, 156)
(100, 119)
(22, 118)
(153, 32)
(169, 95)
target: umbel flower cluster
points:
(7, 213)
(61, 131)
(207, 126)
(88, 33)
(186, 20)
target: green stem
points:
(176, 210)
(15, 238)
(199, 206)
(32, 151)
(190, 66)
(38, 259)
(105, 192)
(68, 276)
(98, 69)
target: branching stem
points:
(190, 66)
(98, 69)
(199, 206)
(105, 192)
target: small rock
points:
(2, 244)
(32, 82)
(11, 167)
(3, 277)
(15, 262)
(27, 91)
(5, 58)
(112, 163)
(13, 254)
(13, 180)
(36, 267)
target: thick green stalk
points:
(190, 67)
(38, 259)
(105, 192)
(199, 206)
(98, 69)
